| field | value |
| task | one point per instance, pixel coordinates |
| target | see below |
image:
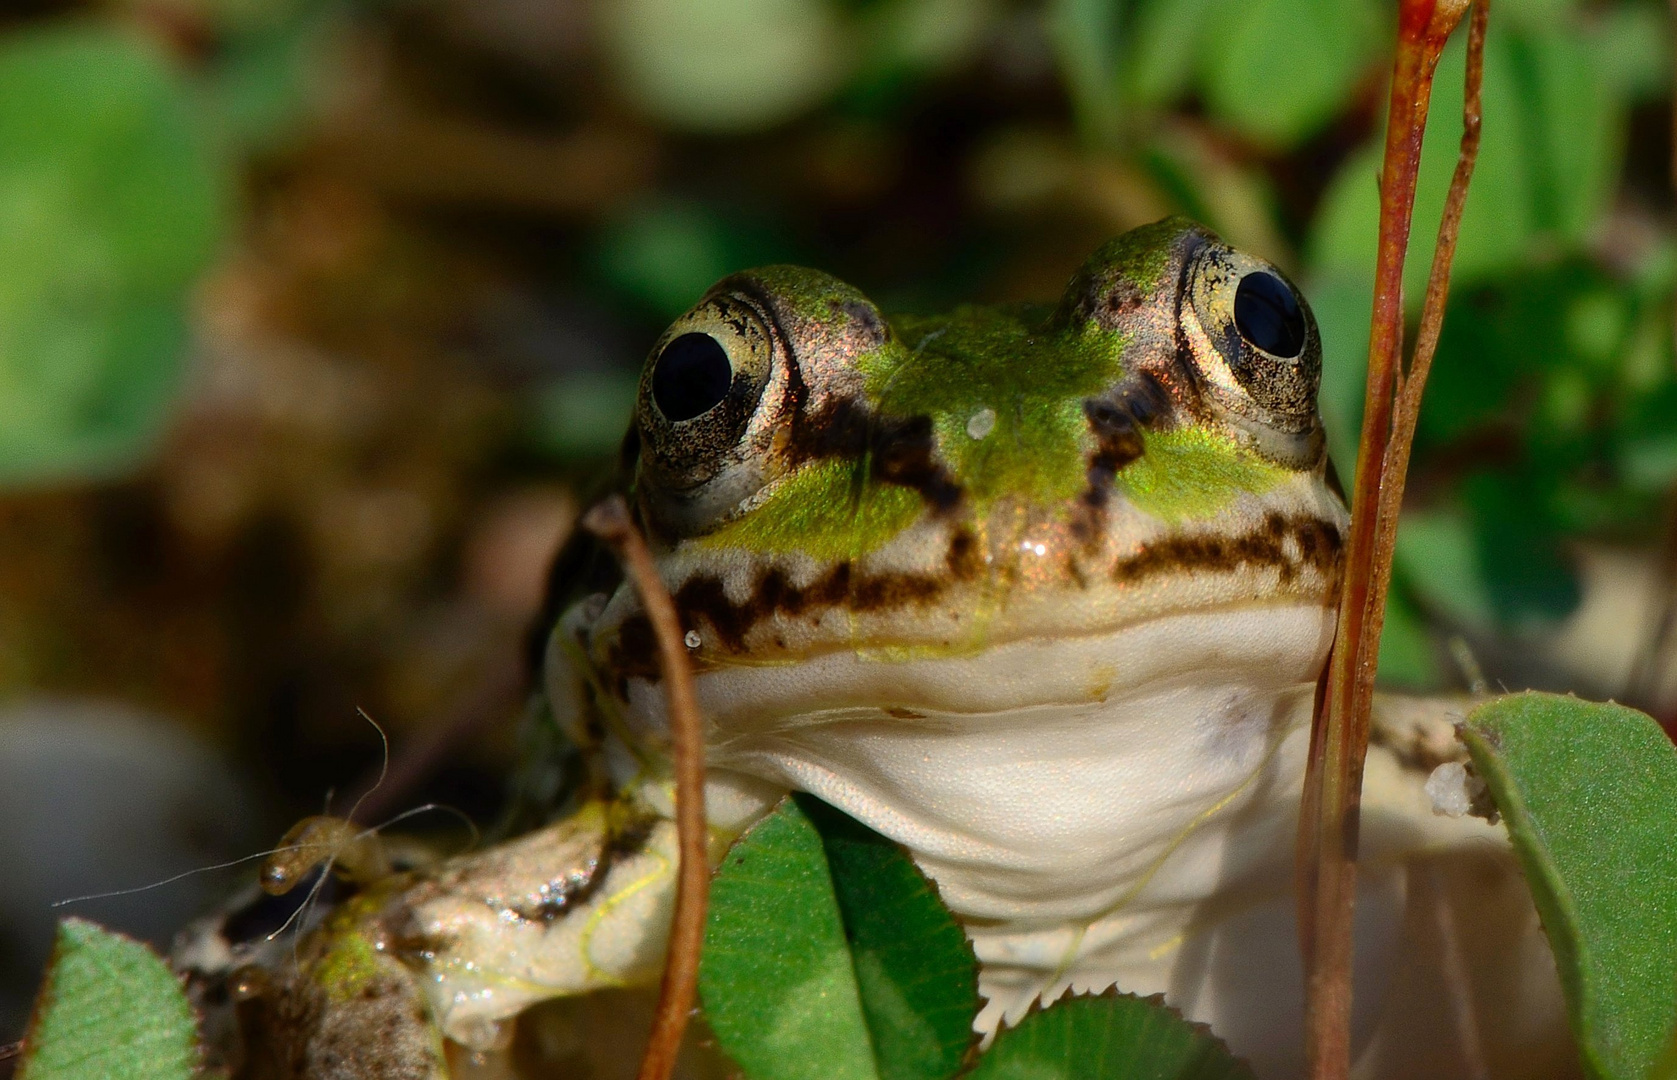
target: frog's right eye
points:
(700, 388)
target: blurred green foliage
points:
(741, 65)
(118, 172)
(112, 200)
(275, 62)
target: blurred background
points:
(319, 320)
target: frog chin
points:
(1041, 782)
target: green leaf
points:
(1590, 795)
(1631, 48)
(1439, 561)
(1249, 41)
(727, 65)
(1519, 551)
(111, 202)
(1495, 563)
(1085, 37)
(776, 978)
(109, 1007)
(1160, 60)
(914, 968)
(828, 955)
(1109, 1037)
(1565, 324)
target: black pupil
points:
(1267, 314)
(691, 377)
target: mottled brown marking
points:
(1104, 299)
(865, 317)
(1318, 542)
(1117, 422)
(635, 652)
(702, 601)
(901, 451)
(963, 558)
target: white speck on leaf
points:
(691, 639)
(1452, 790)
(981, 423)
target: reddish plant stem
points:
(1410, 384)
(1328, 819)
(610, 521)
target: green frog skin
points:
(1041, 593)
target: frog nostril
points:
(691, 377)
(1267, 315)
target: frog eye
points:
(700, 388)
(691, 377)
(1255, 350)
(1267, 315)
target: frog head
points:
(818, 477)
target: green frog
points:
(1041, 593)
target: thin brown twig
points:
(610, 521)
(1328, 820)
(1410, 384)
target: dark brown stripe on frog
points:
(1117, 422)
(900, 451)
(1318, 542)
(702, 602)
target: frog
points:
(1040, 592)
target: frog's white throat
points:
(1041, 782)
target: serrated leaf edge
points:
(1112, 993)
